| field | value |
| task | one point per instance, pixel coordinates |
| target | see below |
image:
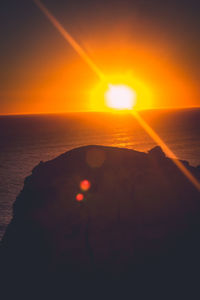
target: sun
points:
(120, 97)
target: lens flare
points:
(79, 197)
(120, 97)
(67, 36)
(85, 185)
(95, 158)
(169, 153)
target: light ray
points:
(167, 150)
(98, 72)
(70, 39)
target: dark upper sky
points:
(29, 42)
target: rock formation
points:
(136, 223)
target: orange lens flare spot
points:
(79, 197)
(95, 158)
(85, 185)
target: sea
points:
(25, 140)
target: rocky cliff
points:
(97, 215)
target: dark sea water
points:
(26, 140)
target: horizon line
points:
(97, 111)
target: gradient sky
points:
(155, 41)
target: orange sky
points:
(51, 77)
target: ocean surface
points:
(27, 140)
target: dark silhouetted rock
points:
(138, 227)
(156, 152)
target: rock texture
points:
(137, 226)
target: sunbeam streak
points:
(70, 39)
(98, 72)
(166, 150)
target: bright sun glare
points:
(120, 97)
